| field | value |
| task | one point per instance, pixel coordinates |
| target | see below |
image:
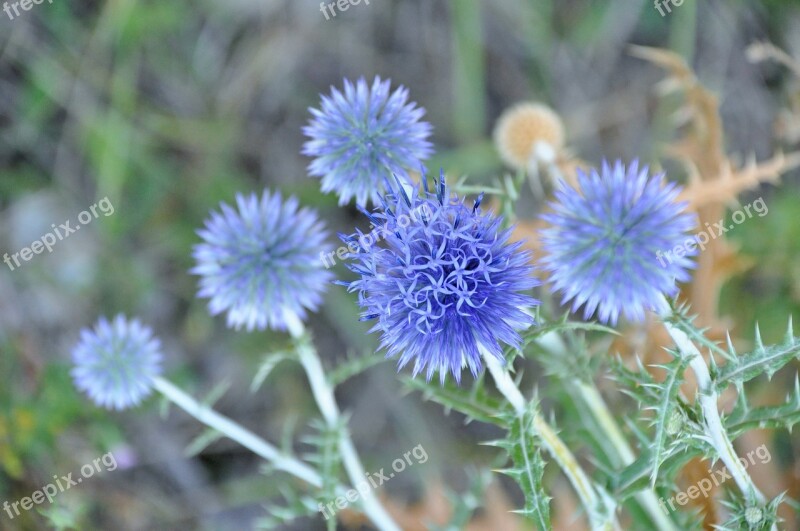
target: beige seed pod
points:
(527, 133)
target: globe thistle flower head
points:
(445, 285)
(528, 131)
(361, 137)
(608, 241)
(116, 362)
(260, 262)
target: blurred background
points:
(168, 108)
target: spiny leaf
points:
(202, 441)
(762, 360)
(464, 504)
(785, 415)
(563, 325)
(326, 454)
(636, 476)
(667, 402)
(269, 363)
(353, 366)
(528, 468)
(296, 506)
(474, 402)
(217, 392)
(636, 383)
(685, 323)
(564, 354)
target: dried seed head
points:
(528, 132)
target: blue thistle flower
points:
(115, 363)
(447, 285)
(606, 237)
(261, 263)
(362, 137)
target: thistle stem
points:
(708, 398)
(237, 433)
(593, 400)
(599, 515)
(323, 395)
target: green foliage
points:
(464, 504)
(667, 420)
(325, 455)
(267, 366)
(744, 417)
(352, 366)
(201, 442)
(474, 401)
(677, 434)
(527, 463)
(762, 360)
(747, 517)
(567, 360)
(296, 506)
(527, 466)
(62, 518)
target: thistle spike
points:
(797, 387)
(759, 342)
(712, 363)
(731, 348)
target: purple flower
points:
(260, 263)
(115, 363)
(362, 137)
(446, 286)
(607, 239)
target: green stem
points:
(323, 395)
(712, 422)
(600, 516)
(593, 400)
(708, 397)
(237, 433)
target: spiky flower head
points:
(115, 363)
(260, 262)
(445, 286)
(610, 241)
(362, 137)
(526, 132)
